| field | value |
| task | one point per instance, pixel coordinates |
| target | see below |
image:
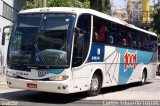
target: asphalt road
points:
(149, 94)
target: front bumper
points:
(64, 87)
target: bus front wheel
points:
(95, 86)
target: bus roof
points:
(79, 11)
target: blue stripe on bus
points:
(97, 53)
(142, 57)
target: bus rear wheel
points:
(159, 70)
(144, 77)
(95, 86)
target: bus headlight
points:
(59, 78)
(11, 74)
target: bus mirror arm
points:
(3, 38)
(4, 34)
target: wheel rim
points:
(94, 83)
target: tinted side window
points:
(153, 43)
(108, 32)
(114, 33)
(124, 36)
(99, 30)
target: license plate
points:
(31, 85)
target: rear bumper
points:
(64, 87)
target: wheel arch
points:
(98, 71)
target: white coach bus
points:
(69, 50)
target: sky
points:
(118, 2)
(122, 2)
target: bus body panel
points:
(46, 86)
(113, 65)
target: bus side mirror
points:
(4, 34)
(3, 38)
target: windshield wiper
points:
(35, 42)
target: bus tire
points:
(159, 69)
(95, 87)
(144, 77)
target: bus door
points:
(82, 40)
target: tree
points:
(68, 3)
(101, 5)
(32, 4)
(57, 3)
(155, 25)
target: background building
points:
(135, 12)
(8, 12)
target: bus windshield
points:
(41, 40)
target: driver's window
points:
(82, 40)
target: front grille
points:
(45, 79)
